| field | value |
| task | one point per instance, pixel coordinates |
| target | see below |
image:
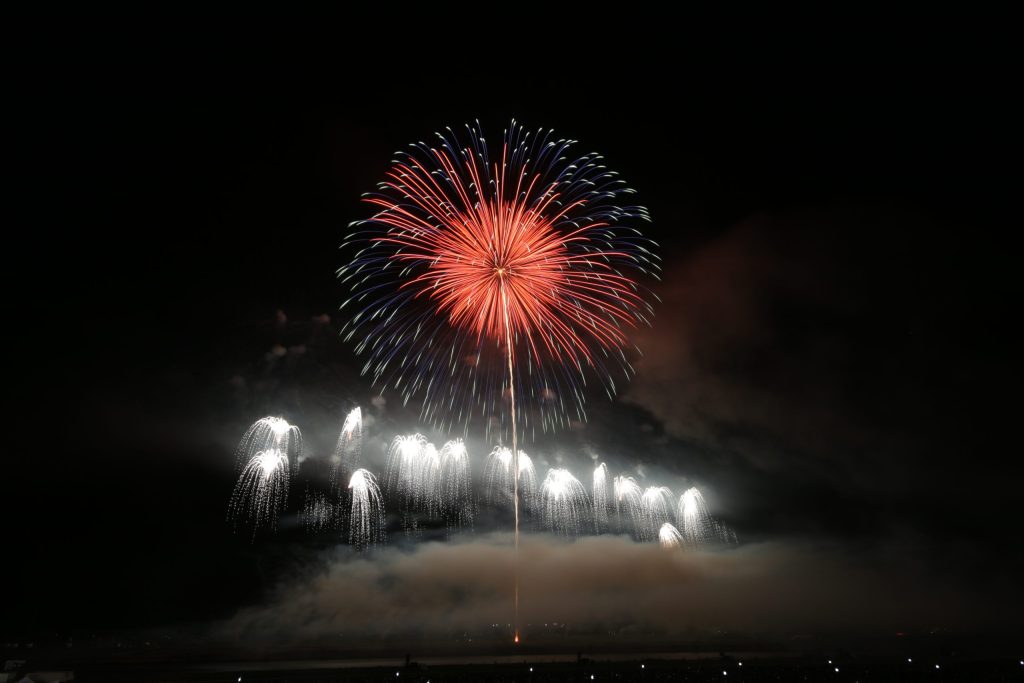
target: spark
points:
(348, 449)
(628, 507)
(412, 478)
(656, 504)
(260, 492)
(564, 501)
(366, 522)
(600, 492)
(698, 527)
(456, 483)
(469, 259)
(269, 434)
(318, 512)
(498, 479)
(669, 537)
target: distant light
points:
(936, 666)
(591, 676)
(909, 660)
(531, 669)
(837, 669)
(642, 666)
(741, 663)
(830, 661)
(725, 673)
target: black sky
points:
(836, 357)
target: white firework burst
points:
(270, 434)
(627, 495)
(564, 502)
(366, 521)
(600, 494)
(456, 483)
(669, 536)
(656, 506)
(261, 491)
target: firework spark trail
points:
(366, 526)
(261, 491)
(669, 536)
(657, 506)
(564, 501)
(269, 434)
(628, 505)
(600, 498)
(318, 512)
(528, 492)
(456, 484)
(411, 478)
(694, 519)
(348, 449)
(429, 475)
(515, 447)
(698, 527)
(498, 484)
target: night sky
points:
(834, 360)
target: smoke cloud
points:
(606, 587)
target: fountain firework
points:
(564, 502)
(669, 536)
(456, 487)
(318, 512)
(412, 478)
(261, 491)
(348, 449)
(402, 474)
(656, 506)
(430, 478)
(366, 521)
(499, 482)
(628, 505)
(600, 498)
(699, 528)
(270, 434)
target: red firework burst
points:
(529, 251)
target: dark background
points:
(178, 186)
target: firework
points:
(270, 434)
(564, 502)
(366, 525)
(429, 475)
(261, 491)
(412, 479)
(469, 264)
(499, 486)
(669, 536)
(456, 486)
(699, 528)
(318, 512)
(656, 507)
(600, 498)
(348, 448)
(402, 475)
(628, 506)
(533, 250)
